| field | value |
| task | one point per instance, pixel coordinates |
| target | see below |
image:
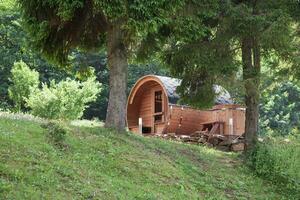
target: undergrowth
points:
(278, 160)
(56, 133)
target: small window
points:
(158, 109)
(158, 102)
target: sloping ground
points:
(102, 164)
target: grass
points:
(98, 163)
(277, 159)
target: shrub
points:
(279, 110)
(64, 100)
(56, 133)
(23, 80)
(278, 160)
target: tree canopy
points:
(57, 27)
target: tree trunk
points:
(117, 62)
(251, 76)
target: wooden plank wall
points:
(145, 109)
(159, 127)
(132, 113)
(239, 117)
(184, 120)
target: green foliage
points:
(100, 163)
(279, 110)
(277, 160)
(13, 42)
(195, 52)
(202, 45)
(14, 47)
(7, 4)
(71, 24)
(56, 133)
(64, 100)
(10, 51)
(98, 61)
(23, 82)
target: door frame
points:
(153, 107)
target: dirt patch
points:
(194, 158)
(230, 193)
(229, 162)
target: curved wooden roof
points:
(170, 84)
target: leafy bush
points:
(279, 111)
(56, 133)
(278, 160)
(64, 100)
(24, 80)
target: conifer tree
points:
(58, 26)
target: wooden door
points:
(158, 111)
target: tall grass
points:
(278, 160)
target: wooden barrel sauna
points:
(153, 108)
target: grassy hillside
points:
(97, 163)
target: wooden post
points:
(140, 125)
(230, 126)
(221, 128)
